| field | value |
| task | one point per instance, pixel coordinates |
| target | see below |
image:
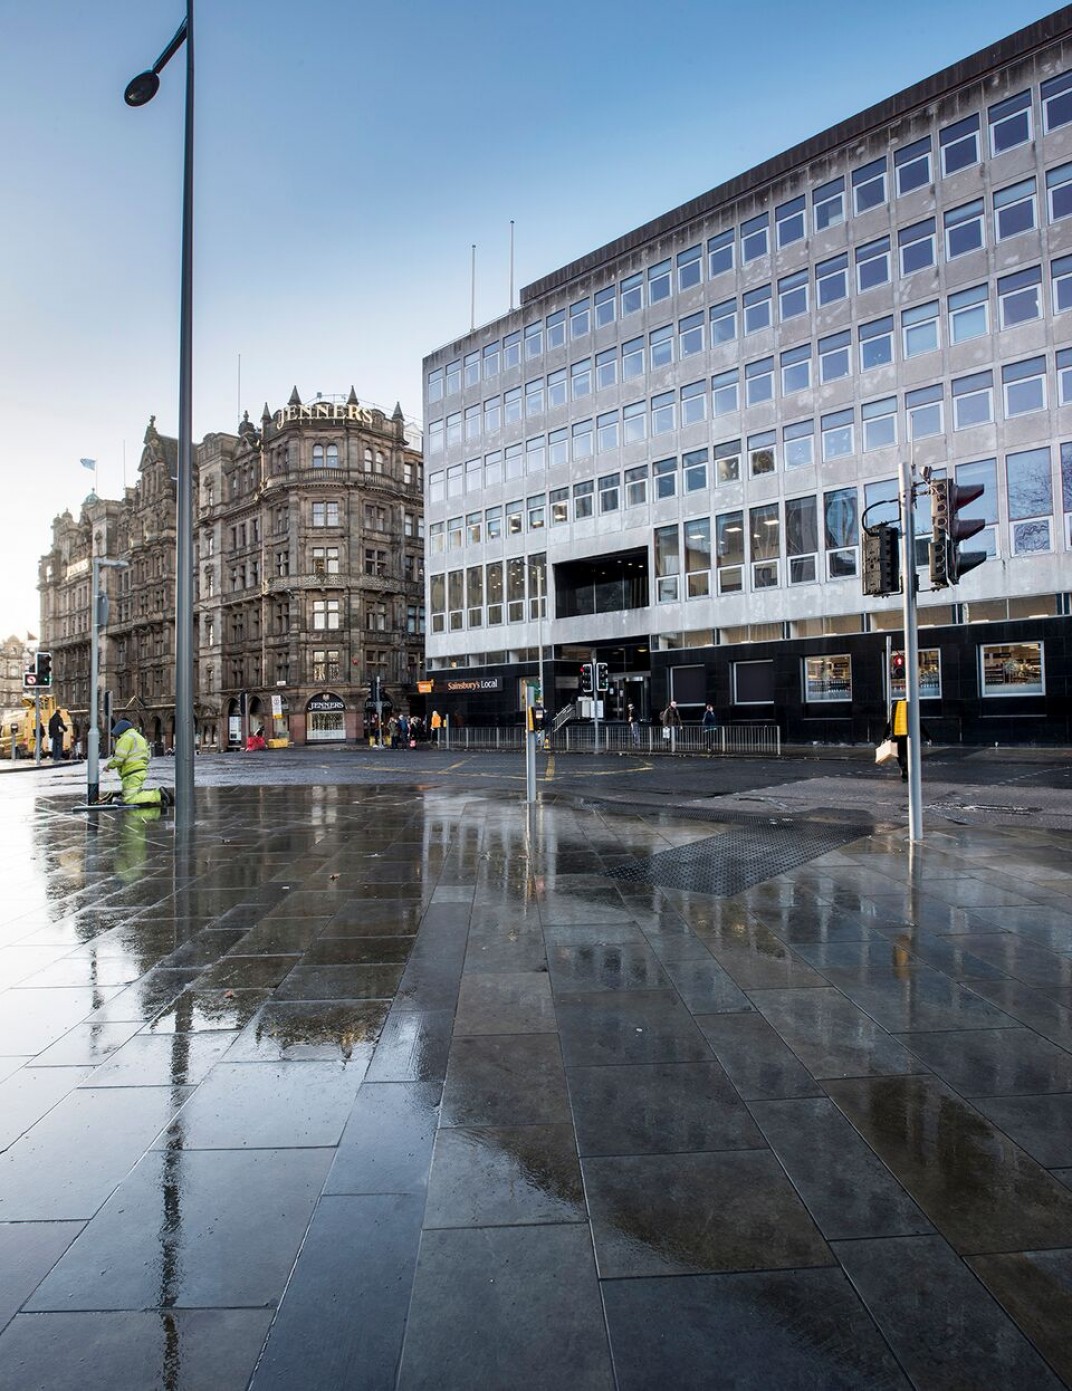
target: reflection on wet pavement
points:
(382, 1086)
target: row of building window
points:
(1020, 300)
(1010, 124)
(324, 615)
(326, 455)
(1023, 388)
(772, 543)
(1004, 669)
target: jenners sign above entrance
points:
(323, 410)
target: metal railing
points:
(567, 713)
(735, 740)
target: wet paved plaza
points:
(398, 1085)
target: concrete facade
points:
(675, 438)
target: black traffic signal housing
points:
(882, 560)
(897, 669)
(602, 677)
(43, 668)
(947, 562)
(587, 679)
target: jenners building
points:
(662, 459)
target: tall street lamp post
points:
(140, 90)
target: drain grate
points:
(738, 858)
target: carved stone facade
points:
(309, 578)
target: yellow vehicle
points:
(22, 718)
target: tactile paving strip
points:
(738, 858)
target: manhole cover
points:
(738, 858)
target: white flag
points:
(88, 463)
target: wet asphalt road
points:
(691, 1077)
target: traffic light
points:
(43, 668)
(882, 560)
(897, 670)
(947, 563)
(587, 677)
(602, 676)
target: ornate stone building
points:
(309, 580)
(14, 658)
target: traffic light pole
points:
(910, 581)
(595, 702)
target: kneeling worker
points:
(130, 759)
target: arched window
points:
(368, 460)
(318, 456)
(333, 456)
(379, 460)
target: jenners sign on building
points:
(323, 410)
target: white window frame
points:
(869, 342)
(1018, 383)
(879, 423)
(1028, 195)
(800, 358)
(724, 313)
(838, 434)
(1027, 286)
(1059, 180)
(791, 215)
(910, 157)
(1061, 284)
(969, 128)
(978, 387)
(959, 219)
(920, 328)
(873, 174)
(1001, 118)
(906, 244)
(866, 258)
(1056, 94)
(828, 205)
(957, 312)
(758, 310)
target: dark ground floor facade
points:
(980, 684)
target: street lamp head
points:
(141, 89)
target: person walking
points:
(436, 723)
(671, 722)
(634, 725)
(897, 730)
(56, 730)
(130, 759)
(710, 727)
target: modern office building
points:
(663, 459)
(310, 581)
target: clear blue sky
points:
(348, 155)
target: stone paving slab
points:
(391, 1086)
